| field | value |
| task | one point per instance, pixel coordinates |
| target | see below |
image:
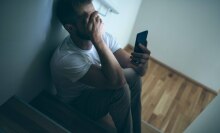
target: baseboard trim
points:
(179, 73)
(156, 130)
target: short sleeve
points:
(111, 42)
(75, 66)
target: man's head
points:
(74, 15)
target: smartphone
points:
(140, 39)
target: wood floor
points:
(170, 101)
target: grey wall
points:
(208, 121)
(28, 35)
(184, 35)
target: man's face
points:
(83, 15)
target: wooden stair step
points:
(66, 115)
(148, 128)
(18, 116)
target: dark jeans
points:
(124, 104)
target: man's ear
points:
(69, 27)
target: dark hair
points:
(66, 9)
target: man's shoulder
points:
(111, 42)
(109, 39)
(107, 35)
(65, 55)
(67, 58)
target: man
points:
(91, 71)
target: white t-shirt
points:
(70, 63)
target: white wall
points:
(120, 25)
(28, 35)
(208, 121)
(184, 35)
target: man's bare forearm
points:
(110, 66)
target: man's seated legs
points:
(97, 103)
(134, 82)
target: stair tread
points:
(17, 115)
(147, 128)
(71, 119)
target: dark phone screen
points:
(140, 39)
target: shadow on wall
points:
(26, 71)
(37, 77)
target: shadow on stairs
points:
(18, 117)
(47, 114)
(66, 115)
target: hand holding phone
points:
(140, 56)
(140, 39)
(141, 53)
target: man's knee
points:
(122, 94)
(133, 79)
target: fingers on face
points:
(95, 18)
(90, 26)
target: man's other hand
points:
(139, 61)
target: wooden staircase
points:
(66, 115)
(18, 117)
(46, 114)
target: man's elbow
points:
(117, 84)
